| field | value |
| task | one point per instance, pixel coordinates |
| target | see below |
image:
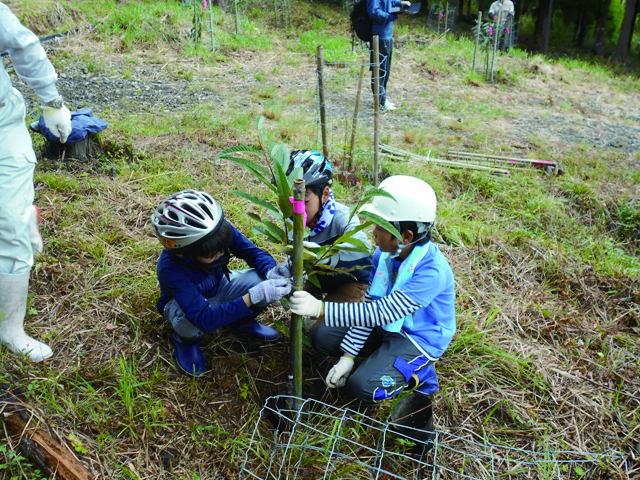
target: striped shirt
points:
(363, 317)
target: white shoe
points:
(387, 107)
(391, 105)
(13, 307)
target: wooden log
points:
(36, 444)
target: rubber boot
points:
(412, 418)
(250, 326)
(188, 356)
(13, 307)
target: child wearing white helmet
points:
(327, 220)
(198, 293)
(408, 317)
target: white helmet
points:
(186, 218)
(415, 201)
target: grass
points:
(547, 268)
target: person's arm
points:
(255, 257)
(27, 55)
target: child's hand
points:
(281, 270)
(269, 291)
(305, 304)
(338, 374)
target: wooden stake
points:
(475, 47)
(213, 37)
(323, 113)
(355, 117)
(298, 283)
(235, 8)
(376, 109)
(495, 43)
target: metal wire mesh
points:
(323, 441)
(340, 80)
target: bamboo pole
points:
(323, 113)
(235, 9)
(446, 163)
(354, 126)
(524, 161)
(475, 47)
(376, 109)
(446, 19)
(495, 44)
(213, 37)
(298, 282)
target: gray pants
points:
(394, 365)
(241, 282)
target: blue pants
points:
(241, 282)
(395, 364)
(17, 163)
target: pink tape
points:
(508, 30)
(490, 31)
(298, 208)
(441, 16)
(205, 3)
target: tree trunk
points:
(601, 27)
(547, 28)
(633, 23)
(581, 28)
(625, 31)
(541, 16)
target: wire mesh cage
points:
(319, 440)
(441, 18)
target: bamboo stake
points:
(527, 161)
(475, 47)
(355, 117)
(446, 163)
(446, 19)
(213, 37)
(298, 281)
(275, 12)
(495, 44)
(235, 8)
(323, 113)
(376, 109)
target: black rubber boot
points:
(412, 419)
(188, 356)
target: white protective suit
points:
(17, 164)
(506, 7)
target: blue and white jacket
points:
(428, 296)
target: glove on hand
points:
(281, 270)
(58, 121)
(338, 374)
(269, 291)
(303, 303)
(34, 233)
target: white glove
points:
(58, 121)
(338, 374)
(306, 244)
(303, 303)
(34, 233)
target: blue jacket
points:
(433, 287)
(382, 18)
(192, 284)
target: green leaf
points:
(261, 229)
(378, 220)
(314, 280)
(260, 123)
(284, 191)
(260, 172)
(295, 174)
(239, 149)
(270, 207)
(254, 216)
(275, 230)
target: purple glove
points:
(269, 291)
(281, 270)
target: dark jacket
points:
(382, 18)
(191, 284)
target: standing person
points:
(383, 13)
(408, 318)
(198, 292)
(505, 10)
(327, 220)
(19, 236)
